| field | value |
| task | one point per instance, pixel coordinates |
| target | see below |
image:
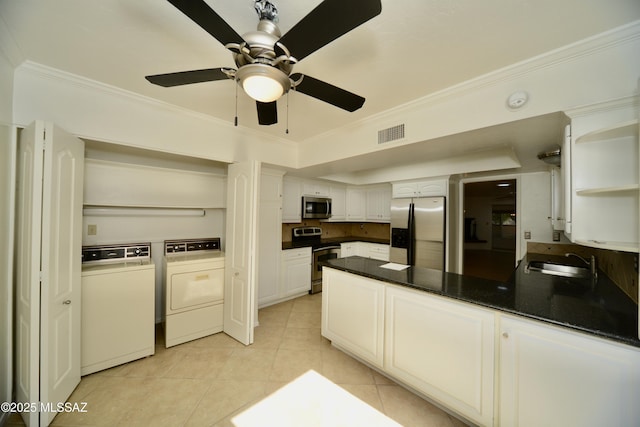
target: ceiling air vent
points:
(391, 134)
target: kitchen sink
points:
(556, 269)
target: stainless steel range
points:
(321, 251)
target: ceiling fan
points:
(265, 58)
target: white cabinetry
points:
(365, 249)
(356, 204)
(315, 188)
(270, 239)
(292, 200)
(424, 188)
(378, 203)
(338, 195)
(550, 376)
(443, 349)
(603, 188)
(350, 249)
(557, 199)
(358, 328)
(378, 251)
(296, 272)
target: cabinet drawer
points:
(296, 253)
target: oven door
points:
(319, 256)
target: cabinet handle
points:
(66, 302)
(505, 335)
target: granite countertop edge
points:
(490, 294)
(334, 241)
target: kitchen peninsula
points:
(536, 350)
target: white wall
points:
(95, 111)
(7, 154)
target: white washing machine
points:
(194, 289)
(118, 305)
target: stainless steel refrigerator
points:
(418, 232)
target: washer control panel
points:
(120, 252)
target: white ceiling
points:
(412, 49)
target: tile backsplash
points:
(618, 266)
(331, 230)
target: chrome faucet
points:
(593, 264)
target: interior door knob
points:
(66, 302)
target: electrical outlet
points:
(92, 229)
(556, 236)
(527, 235)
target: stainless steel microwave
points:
(316, 207)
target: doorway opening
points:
(490, 220)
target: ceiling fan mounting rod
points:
(266, 10)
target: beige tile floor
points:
(208, 381)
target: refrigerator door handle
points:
(412, 235)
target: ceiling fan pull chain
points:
(235, 121)
(287, 130)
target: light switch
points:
(527, 235)
(92, 229)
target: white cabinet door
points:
(426, 188)
(443, 349)
(378, 251)
(270, 232)
(356, 204)
(403, 190)
(296, 272)
(358, 328)
(347, 249)
(338, 195)
(378, 203)
(291, 200)
(554, 377)
(315, 188)
(431, 188)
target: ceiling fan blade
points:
(210, 21)
(187, 77)
(328, 93)
(328, 21)
(267, 112)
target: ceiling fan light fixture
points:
(263, 82)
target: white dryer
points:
(194, 289)
(118, 305)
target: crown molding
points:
(54, 74)
(592, 45)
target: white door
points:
(49, 267)
(240, 251)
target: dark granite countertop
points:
(332, 241)
(599, 308)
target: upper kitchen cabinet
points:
(423, 188)
(338, 196)
(603, 189)
(356, 203)
(315, 188)
(379, 203)
(291, 199)
(110, 183)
